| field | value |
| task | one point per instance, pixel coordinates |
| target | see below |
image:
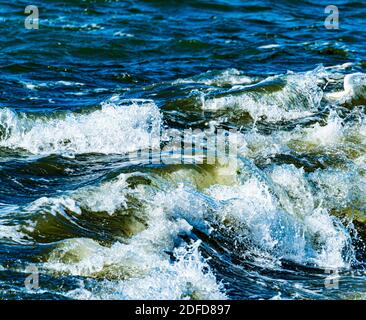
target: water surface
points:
(100, 84)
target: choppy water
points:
(97, 86)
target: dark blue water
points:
(99, 79)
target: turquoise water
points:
(96, 202)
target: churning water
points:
(94, 198)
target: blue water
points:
(97, 78)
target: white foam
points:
(269, 46)
(274, 216)
(11, 232)
(139, 266)
(334, 136)
(229, 77)
(112, 129)
(142, 262)
(275, 222)
(297, 198)
(340, 188)
(354, 88)
(329, 134)
(187, 278)
(299, 97)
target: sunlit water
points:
(102, 83)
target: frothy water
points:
(99, 195)
(99, 131)
(139, 233)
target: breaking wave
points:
(110, 129)
(293, 200)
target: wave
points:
(270, 209)
(111, 129)
(274, 99)
(285, 97)
(266, 218)
(119, 128)
(354, 92)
